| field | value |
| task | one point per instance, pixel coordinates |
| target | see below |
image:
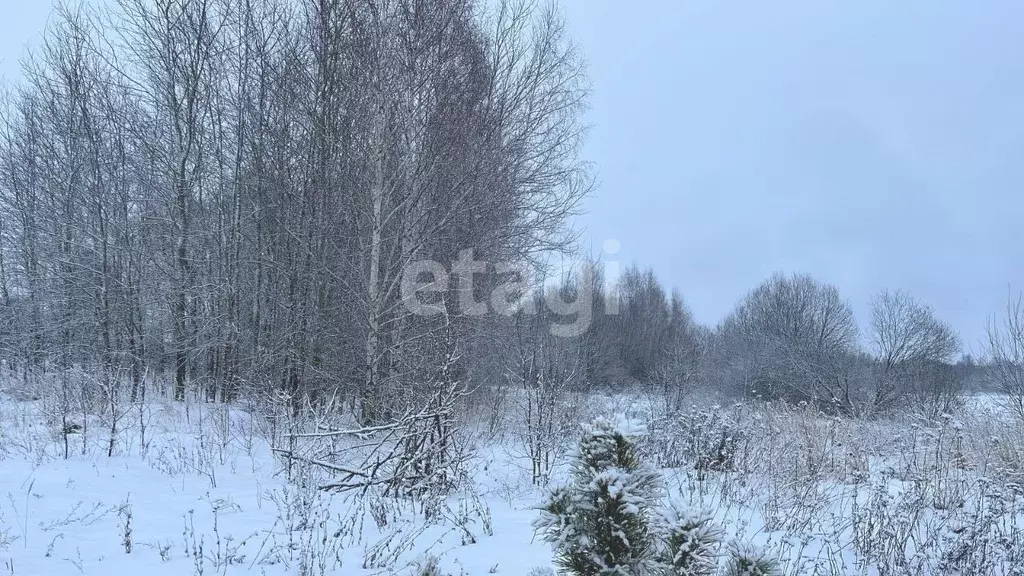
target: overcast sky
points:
(871, 143)
(21, 25)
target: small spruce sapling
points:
(749, 560)
(690, 542)
(601, 523)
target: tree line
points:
(222, 196)
(792, 338)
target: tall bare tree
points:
(913, 349)
(1006, 353)
(795, 337)
(229, 194)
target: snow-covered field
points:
(195, 488)
(206, 496)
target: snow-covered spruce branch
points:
(605, 521)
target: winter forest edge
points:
(282, 292)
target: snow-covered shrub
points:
(707, 439)
(986, 539)
(749, 560)
(1008, 445)
(690, 542)
(601, 523)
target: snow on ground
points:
(195, 489)
(198, 501)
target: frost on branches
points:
(601, 522)
(749, 560)
(690, 542)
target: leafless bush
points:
(1006, 350)
(706, 439)
(913, 351)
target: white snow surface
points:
(207, 480)
(67, 517)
